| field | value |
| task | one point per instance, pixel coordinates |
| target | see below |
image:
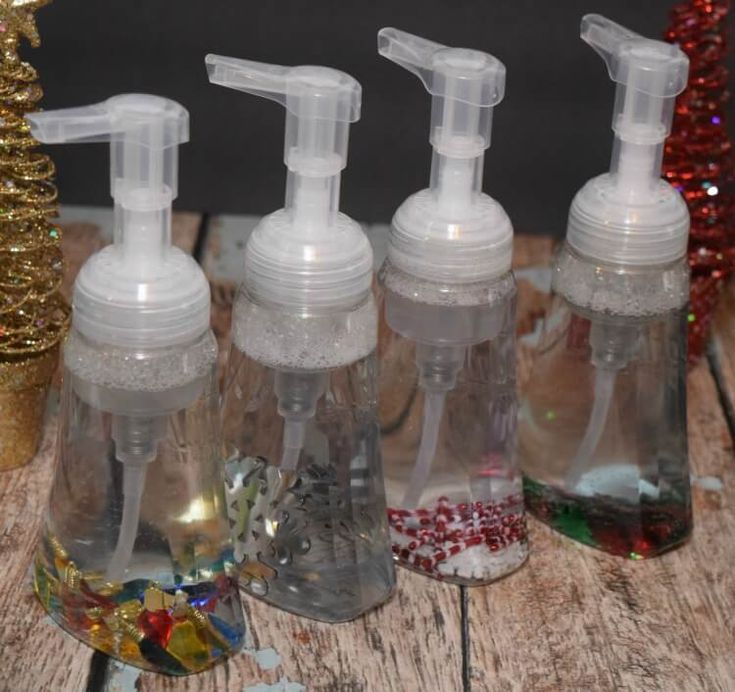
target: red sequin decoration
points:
(698, 158)
(432, 536)
(157, 626)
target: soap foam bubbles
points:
(151, 370)
(441, 293)
(625, 291)
(285, 340)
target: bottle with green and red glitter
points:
(447, 301)
(603, 424)
(135, 557)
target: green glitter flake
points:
(571, 521)
(551, 414)
(691, 317)
(635, 556)
(54, 232)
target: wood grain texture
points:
(576, 618)
(411, 643)
(35, 654)
(388, 649)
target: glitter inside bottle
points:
(606, 460)
(305, 484)
(455, 514)
(447, 357)
(135, 557)
(603, 437)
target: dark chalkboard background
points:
(550, 134)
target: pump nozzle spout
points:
(144, 132)
(320, 103)
(649, 74)
(465, 85)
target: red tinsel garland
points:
(698, 157)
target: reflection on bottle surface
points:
(134, 557)
(603, 429)
(448, 422)
(308, 522)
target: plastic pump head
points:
(464, 84)
(139, 290)
(307, 252)
(457, 233)
(631, 216)
(321, 103)
(649, 75)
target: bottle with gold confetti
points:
(603, 436)
(135, 557)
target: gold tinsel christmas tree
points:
(33, 315)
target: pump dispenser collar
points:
(451, 232)
(306, 254)
(140, 291)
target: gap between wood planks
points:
(715, 367)
(466, 663)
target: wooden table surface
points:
(571, 619)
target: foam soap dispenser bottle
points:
(135, 557)
(603, 428)
(448, 296)
(300, 405)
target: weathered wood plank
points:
(411, 643)
(35, 654)
(575, 618)
(572, 618)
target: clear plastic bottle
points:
(447, 342)
(622, 484)
(305, 487)
(603, 437)
(135, 557)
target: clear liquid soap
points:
(135, 557)
(305, 485)
(603, 435)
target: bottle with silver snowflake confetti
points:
(304, 479)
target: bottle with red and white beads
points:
(446, 347)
